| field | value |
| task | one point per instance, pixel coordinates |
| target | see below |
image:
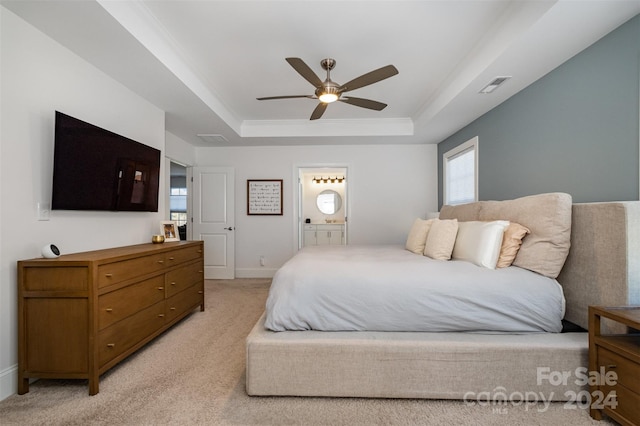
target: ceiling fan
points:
(328, 91)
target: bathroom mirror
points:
(329, 201)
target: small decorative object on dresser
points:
(50, 251)
(169, 229)
(614, 364)
(80, 314)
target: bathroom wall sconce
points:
(328, 179)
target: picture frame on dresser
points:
(169, 229)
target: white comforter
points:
(387, 288)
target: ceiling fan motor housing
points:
(329, 91)
(328, 88)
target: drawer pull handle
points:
(199, 251)
(611, 366)
(111, 345)
(161, 315)
(171, 258)
(109, 309)
(173, 283)
(108, 275)
(160, 288)
(200, 272)
(172, 308)
(160, 261)
(200, 292)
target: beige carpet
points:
(194, 374)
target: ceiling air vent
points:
(212, 138)
(494, 84)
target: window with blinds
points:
(178, 205)
(460, 175)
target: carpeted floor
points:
(194, 374)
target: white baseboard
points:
(8, 382)
(255, 272)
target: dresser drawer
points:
(628, 372)
(627, 403)
(66, 278)
(114, 340)
(185, 301)
(177, 257)
(119, 304)
(112, 273)
(179, 279)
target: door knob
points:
(231, 228)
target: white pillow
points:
(479, 242)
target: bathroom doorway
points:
(322, 206)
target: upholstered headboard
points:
(600, 266)
(603, 266)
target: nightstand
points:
(614, 365)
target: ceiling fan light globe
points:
(327, 98)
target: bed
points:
(322, 288)
(591, 251)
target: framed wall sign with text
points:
(264, 197)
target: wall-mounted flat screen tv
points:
(95, 169)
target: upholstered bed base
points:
(603, 268)
(412, 365)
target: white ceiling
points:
(205, 61)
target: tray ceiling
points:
(206, 62)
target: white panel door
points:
(214, 220)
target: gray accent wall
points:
(576, 130)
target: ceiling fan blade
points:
(364, 103)
(317, 113)
(304, 70)
(369, 78)
(286, 97)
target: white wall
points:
(388, 187)
(178, 150)
(38, 77)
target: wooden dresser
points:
(80, 314)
